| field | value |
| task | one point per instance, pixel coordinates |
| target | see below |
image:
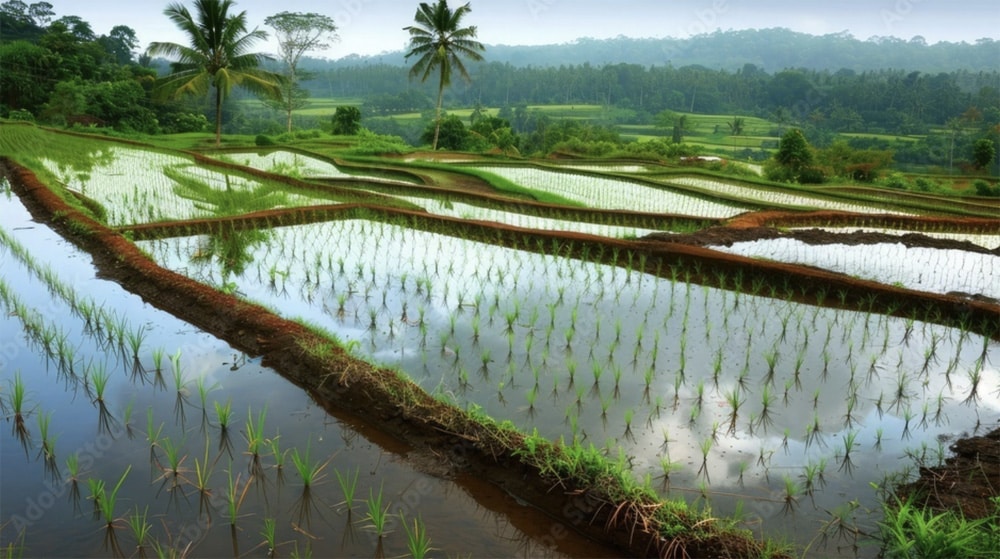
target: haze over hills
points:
(770, 49)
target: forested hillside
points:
(770, 49)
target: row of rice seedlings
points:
(96, 318)
(426, 282)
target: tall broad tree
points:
(439, 42)
(297, 34)
(219, 56)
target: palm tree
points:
(218, 57)
(440, 43)
(736, 129)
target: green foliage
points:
(983, 153)
(984, 188)
(346, 121)
(296, 34)
(794, 161)
(449, 134)
(439, 42)
(263, 140)
(23, 115)
(218, 57)
(370, 143)
(909, 531)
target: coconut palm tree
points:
(440, 43)
(218, 57)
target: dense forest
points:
(57, 71)
(769, 49)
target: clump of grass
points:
(308, 471)
(377, 515)
(139, 524)
(417, 541)
(348, 485)
(909, 530)
(235, 495)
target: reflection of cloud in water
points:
(673, 335)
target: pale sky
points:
(375, 26)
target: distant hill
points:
(771, 50)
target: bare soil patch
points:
(966, 483)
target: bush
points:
(897, 181)
(984, 188)
(262, 140)
(370, 143)
(21, 114)
(925, 185)
(812, 175)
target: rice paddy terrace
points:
(651, 357)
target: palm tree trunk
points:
(218, 116)
(437, 117)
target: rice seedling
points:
(105, 500)
(99, 376)
(48, 450)
(73, 467)
(203, 391)
(417, 541)
(270, 536)
(792, 492)
(224, 414)
(178, 374)
(135, 339)
(628, 423)
(254, 436)
(597, 370)
(203, 472)
(279, 455)
(705, 446)
(309, 472)
(734, 400)
(174, 460)
(348, 485)
(235, 495)
(530, 396)
(141, 529)
(849, 444)
(16, 401)
(376, 514)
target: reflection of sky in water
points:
(923, 269)
(31, 494)
(628, 324)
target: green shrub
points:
(896, 180)
(984, 188)
(925, 185)
(262, 140)
(812, 175)
(21, 114)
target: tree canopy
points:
(219, 56)
(439, 42)
(297, 34)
